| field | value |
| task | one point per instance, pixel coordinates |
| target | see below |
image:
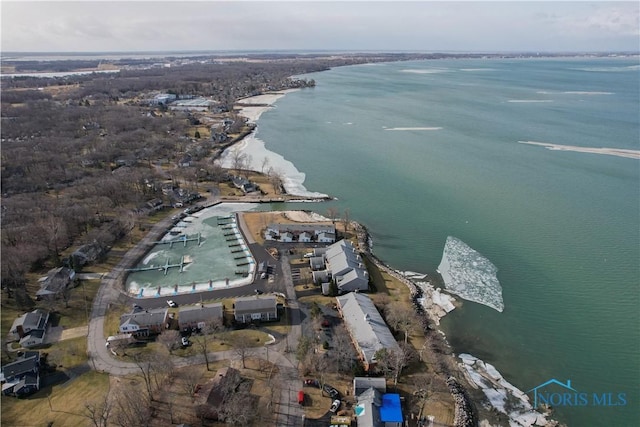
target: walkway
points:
(288, 412)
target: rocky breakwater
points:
(464, 414)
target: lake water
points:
(419, 151)
(214, 251)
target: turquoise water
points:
(561, 227)
(210, 260)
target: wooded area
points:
(82, 155)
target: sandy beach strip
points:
(619, 152)
(253, 106)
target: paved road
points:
(289, 413)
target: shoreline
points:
(292, 179)
(427, 299)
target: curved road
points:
(289, 413)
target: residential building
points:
(163, 98)
(344, 265)
(57, 282)
(362, 384)
(33, 339)
(199, 315)
(301, 232)
(258, 307)
(375, 409)
(21, 377)
(144, 323)
(28, 322)
(197, 104)
(369, 332)
(244, 184)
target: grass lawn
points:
(69, 353)
(79, 305)
(317, 404)
(67, 401)
(112, 319)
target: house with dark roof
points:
(21, 377)
(57, 282)
(88, 253)
(28, 322)
(144, 323)
(368, 331)
(244, 184)
(199, 315)
(258, 307)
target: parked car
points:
(335, 406)
(301, 398)
(312, 383)
(171, 303)
(332, 392)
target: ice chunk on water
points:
(467, 273)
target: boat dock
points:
(167, 265)
(184, 239)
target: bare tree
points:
(154, 369)
(234, 410)
(403, 318)
(207, 335)
(332, 212)
(242, 347)
(346, 221)
(132, 409)
(190, 377)
(170, 338)
(145, 365)
(343, 351)
(239, 160)
(264, 164)
(392, 361)
(98, 412)
(275, 178)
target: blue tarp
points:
(390, 411)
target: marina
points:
(210, 253)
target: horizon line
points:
(327, 50)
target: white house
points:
(301, 232)
(248, 309)
(368, 330)
(144, 322)
(344, 265)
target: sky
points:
(424, 26)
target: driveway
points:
(59, 333)
(289, 413)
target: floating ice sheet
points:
(470, 275)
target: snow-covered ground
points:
(502, 395)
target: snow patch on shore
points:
(470, 275)
(292, 178)
(502, 395)
(254, 148)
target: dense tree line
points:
(79, 159)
